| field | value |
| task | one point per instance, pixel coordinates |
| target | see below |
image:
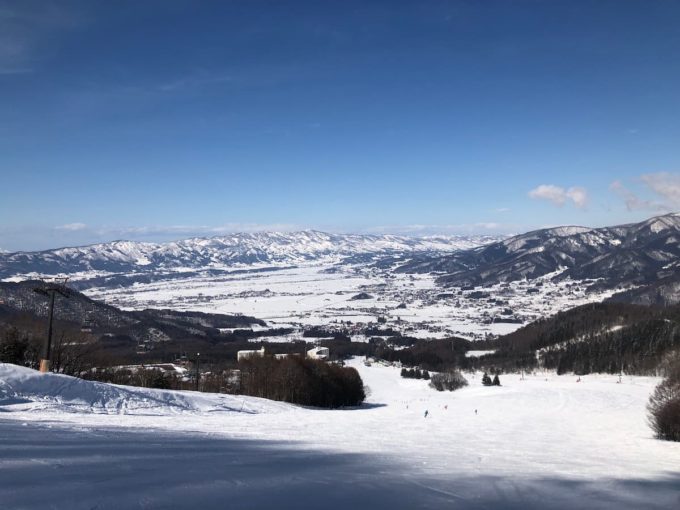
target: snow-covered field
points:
(542, 442)
(318, 294)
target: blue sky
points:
(163, 119)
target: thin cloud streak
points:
(480, 228)
(664, 187)
(28, 26)
(196, 80)
(72, 227)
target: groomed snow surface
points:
(543, 442)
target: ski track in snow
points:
(542, 442)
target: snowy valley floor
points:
(544, 442)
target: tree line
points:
(303, 381)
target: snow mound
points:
(24, 389)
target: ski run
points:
(544, 441)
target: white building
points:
(318, 353)
(241, 355)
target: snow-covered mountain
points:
(638, 253)
(227, 251)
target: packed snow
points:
(544, 441)
(25, 388)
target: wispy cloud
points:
(26, 27)
(632, 201)
(560, 196)
(72, 227)
(197, 79)
(480, 228)
(664, 188)
(665, 185)
(15, 71)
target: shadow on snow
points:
(69, 468)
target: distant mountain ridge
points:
(234, 250)
(643, 253)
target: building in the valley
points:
(241, 355)
(318, 353)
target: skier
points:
(426, 413)
(475, 411)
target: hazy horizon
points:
(174, 234)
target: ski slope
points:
(26, 389)
(542, 442)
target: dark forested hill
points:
(20, 300)
(603, 337)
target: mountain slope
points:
(241, 249)
(600, 337)
(28, 389)
(18, 300)
(633, 254)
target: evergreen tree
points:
(13, 347)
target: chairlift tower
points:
(50, 290)
(198, 372)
